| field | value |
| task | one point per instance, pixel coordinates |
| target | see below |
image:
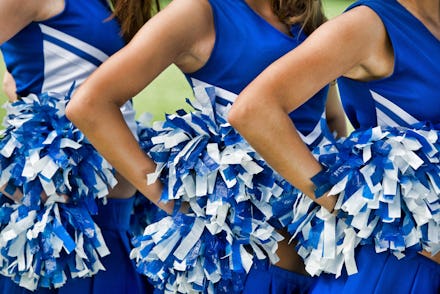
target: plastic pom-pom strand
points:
(388, 184)
(236, 202)
(49, 234)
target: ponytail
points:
(132, 14)
(307, 12)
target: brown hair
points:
(132, 14)
(307, 12)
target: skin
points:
(334, 113)
(187, 44)
(168, 38)
(14, 16)
(355, 45)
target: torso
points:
(63, 48)
(241, 45)
(428, 12)
(199, 54)
(380, 63)
(68, 40)
(407, 94)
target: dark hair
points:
(132, 14)
(307, 12)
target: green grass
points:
(333, 8)
(168, 92)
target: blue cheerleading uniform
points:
(56, 56)
(241, 53)
(408, 94)
(245, 44)
(403, 99)
(120, 275)
(64, 49)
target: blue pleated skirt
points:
(383, 273)
(270, 279)
(120, 276)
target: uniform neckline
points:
(417, 20)
(290, 37)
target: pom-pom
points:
(236, 202)
(388, 184)
(49, 233)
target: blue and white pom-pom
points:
(231, 194)
(388, 184)
(49, 232)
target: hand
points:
(435, 258)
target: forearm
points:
(289, 156)
(102, 123)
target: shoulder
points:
(359, 21)
(180, 20)
(365, 27)
(359, 35)
(188, 26)
(15, 15)
(355, 29)
(25, 6)
(31, 10)
(195, 8)
(353, 44)
(183, 17)
(49, 8)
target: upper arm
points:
(173, 34)
(334, 49)
(163, 40)
(15, 15)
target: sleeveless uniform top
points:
(245, 45)
(411, 93)
(50, 55)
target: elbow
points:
(234, 117)
(70, 112)
(77, 110)
(248, 109)
(240, 115)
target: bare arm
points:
(349, 44)
(16, 14)
(172, 36)
(334, 113)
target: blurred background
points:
(168, 92)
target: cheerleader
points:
(224, 230)
(381, 181)
(76, 237)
